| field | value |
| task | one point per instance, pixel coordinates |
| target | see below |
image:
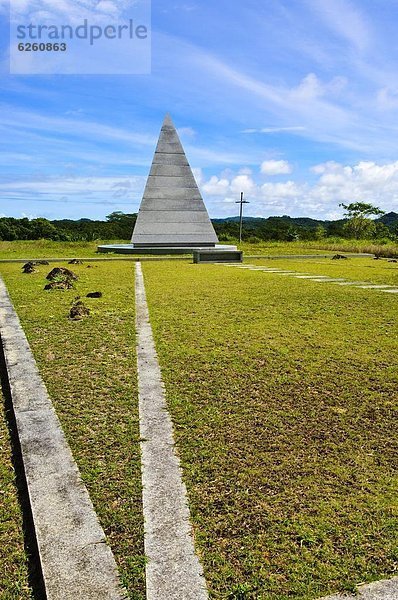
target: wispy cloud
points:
(275, 129)
(346, 20)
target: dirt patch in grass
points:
(89, 368)
(284, 398)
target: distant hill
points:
(389, 219)
(298, 221)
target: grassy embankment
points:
(283, 393)
(89, 368)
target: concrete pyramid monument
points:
(172, 213)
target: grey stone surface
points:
(169, 158)
(180, 195)
(171, 187)
(193, 230)
(170, 170)
(206, 256)
(386, 589)
(171, 182)
(372, 286)
(173, 571)
(75, 560)
(170, 216)
(156, 251)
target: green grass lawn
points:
(13, 564)
(89, 368)
(324, 246)
(284, 395)
(30, 249)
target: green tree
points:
(359, 224)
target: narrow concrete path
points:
(387, 288)
(74, 557)
(173, 571)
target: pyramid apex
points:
(167, 122)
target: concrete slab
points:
(75, 559)
(386, 589)
(172, 216)
(171, 183)
(353, 283)
(170, 170)
(328, 279)
(173, 571)
(170, 158)
(372, 286)
(312, 277)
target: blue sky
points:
(293, 102)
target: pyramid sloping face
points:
(172, 211)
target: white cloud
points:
(242, 183)
(216, 186)
(186, 132)
(365, 181)
(79, 190)
(345, 20)
(275, 129)
(276, 167)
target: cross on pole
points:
(241, 202)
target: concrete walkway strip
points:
(386, 589)
(173, 571)
(324, 279)
(75, 560)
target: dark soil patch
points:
(61, 272)
(94, 295)
(75, 261)
(78, 311)
(65, 284)
(29, 267)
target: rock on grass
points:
(59, 272)
(78, 311)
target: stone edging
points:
(75, 559)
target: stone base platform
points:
(131, 249)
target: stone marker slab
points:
(372, 286)
(75, 560)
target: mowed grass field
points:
(283, 394)
(89, 368)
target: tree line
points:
(357, 223)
